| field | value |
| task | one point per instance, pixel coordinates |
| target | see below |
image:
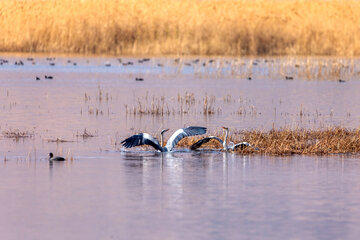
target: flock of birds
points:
(146, 139)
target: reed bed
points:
(17, 134)
(159, 27)
(288, 142)
(187, 103)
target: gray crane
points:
(230, 147)
(147, 139)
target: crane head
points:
(164, 130)
(225, 128)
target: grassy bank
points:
(158, 27)
(287, 142)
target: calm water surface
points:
(107, 193)
(119, 195)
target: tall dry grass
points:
(158, 27)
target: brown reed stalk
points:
(212, 27)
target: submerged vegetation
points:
(231, 27)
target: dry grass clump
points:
(184, 104)
(231, 27)
(287, 141)
(17, 134)
(157, 106)
(85, 134)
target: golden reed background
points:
(202, 27)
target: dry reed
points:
(85, 134)
(17, 134)
(229, 27)
(186, 104)
(287, 141)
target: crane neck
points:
(161, 139)
(163, 148)
(225, 140)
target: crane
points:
(230, 147)
(147, 139)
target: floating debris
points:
(58, 140)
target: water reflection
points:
(202, 195)
(171, 178)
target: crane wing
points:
(242, 145)
(203, 141)
(181, 133)
(141, 139)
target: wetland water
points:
(106, 193)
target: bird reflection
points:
(172, 177)
(137, 160)
(54, 164)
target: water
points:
(103, 192)
(119, 195)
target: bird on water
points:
(147, 139)
(230, 147)
(56, 158)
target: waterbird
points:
(19, 63)
(230, 147)
(56, 158)
(144, 60)
(147, 139)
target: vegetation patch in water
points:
(17, 134)
(288, 141)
